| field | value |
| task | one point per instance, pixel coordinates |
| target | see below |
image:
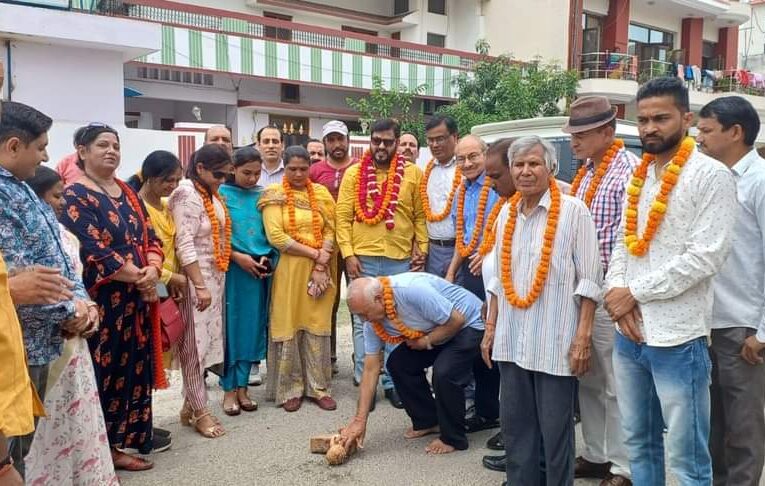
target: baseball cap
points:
(334, 126)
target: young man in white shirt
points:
(728, 127)
(676, 234)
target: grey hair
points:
(365, 288)
(524, 144)
(480, 141)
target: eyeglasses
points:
(471, 157)
(220, 174)
(388, 142)
(440, 140)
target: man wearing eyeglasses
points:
(441, 133)
(375, 246)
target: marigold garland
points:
(489, 232)
(384, 202)
(318, 236)
(155, 326)
(434, 218)
(221, 252)
(466, 251)
(390, 313)
(636, 245)
(605, 162)
(543, 268)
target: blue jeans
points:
(658, 385)
(372, 266)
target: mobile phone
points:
(162, 292)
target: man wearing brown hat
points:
(600, 183)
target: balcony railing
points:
(706, 80)
(607, 65)
(221, 21)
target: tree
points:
(394, 103)
(500, 89)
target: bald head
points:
(365, 299)
(470, 154)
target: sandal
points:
(247, 404)
(293, 404)
(186, 413)
(210, 431)
(232, 409)
(126, 462)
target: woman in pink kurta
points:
(202, 343)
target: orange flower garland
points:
(382, 205)
(605, 162)
(390, 313)
(466, 251)
(434, 218)
(489, 233)
(221, 252)
(543, 268)
(636, 245)
(318, 236)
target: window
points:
(396, 51)
(277, 32)
(400, 7)
(371, 47)
(208, 80)
(290, 93)
(653, 49)
(437, 7)
(709, 57)
(430, 107)
(436, 40)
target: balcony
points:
(208, 39)
(708, 85)
(612, 75)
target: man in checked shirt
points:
(601, 183)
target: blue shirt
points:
(470, 211)
(423, 302)
(30, 235)
(739, 286)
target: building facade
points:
(162, 70)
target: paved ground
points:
(270, 446)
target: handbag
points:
(172, 323)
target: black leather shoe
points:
(495, 463)
(477, 423)
(496, 443)
(395, 400)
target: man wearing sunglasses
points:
(383, 245)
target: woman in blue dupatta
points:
(247, 282)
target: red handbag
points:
(172, 323)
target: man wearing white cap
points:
(329, 173)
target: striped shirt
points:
(606, 206)
(538, 338)
(672, 282)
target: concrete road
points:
(270, 446)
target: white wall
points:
(527, 29)
(462, 24)
(711, 31)
(135, 144)
(51, 78)
(656, 16)
(599, 7)
(751, 40)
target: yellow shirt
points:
(19, 403)
(355, 238)
(164, 227)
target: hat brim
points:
(568, 128)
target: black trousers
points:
(452, 364)
(487, 380)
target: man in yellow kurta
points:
(19, 403)
(377, 239)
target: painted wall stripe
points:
(271, 59)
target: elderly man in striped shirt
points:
(601, 183)
(548, 282)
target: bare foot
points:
(416, 434)
(438, 447)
